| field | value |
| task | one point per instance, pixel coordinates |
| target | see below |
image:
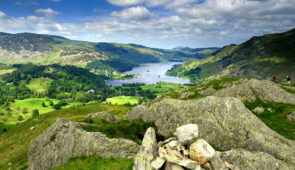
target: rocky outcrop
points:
(65, 139)
(246, 160)
(106, 116)
(253, 90)
(147, 152)
(224, 122)
(291, 117)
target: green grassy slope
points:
(109, 57)
(260, 57)
(15, 143)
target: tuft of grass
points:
(15, 143)
(133, 130)
(96, 163)
(276, 120)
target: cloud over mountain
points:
(136, 13)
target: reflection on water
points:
(151, 73)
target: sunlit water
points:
(151, 73)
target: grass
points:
(162, 87)
(121, 100)
(39, 85)
(276, 120)
(2, 72)
(218, 84)
(133, 130)
(18, 107)
(15, 143)
(96, 163)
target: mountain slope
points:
(260, 57)
(50, 49)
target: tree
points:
(20, 118)
(51, 103)
(43, 104)
(25, 110)
(35, 113)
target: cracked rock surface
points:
(224, 122)
(65, 139)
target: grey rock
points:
(217, 163)
(187, 134)
(253, 90)
(161, 143)
(186, 95)
(65, 139)
(224, 122)
(246, 160)
(158, 163)
(106, 116)
(207, 91)
(176, 157)
(148, 151)
(172, 166)
(258, 110)
(291, 117)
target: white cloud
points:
(173, 23)
(47, 12)
(2, 14)
(126, 2)
(55, 0)
(134, 13)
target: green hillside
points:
(260, 57)
(106, 59)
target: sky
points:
(154, 23)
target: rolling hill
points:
(260, 57)
(98, 57)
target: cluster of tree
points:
(68, 82)
(8, 93)
(133, 89)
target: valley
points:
(77, 94)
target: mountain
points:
(199, 52)
(4, 33)
(105, 57)
(260, 57)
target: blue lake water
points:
(151, 73)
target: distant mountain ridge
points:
(260, 57)
(51, 49)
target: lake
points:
(151, 73)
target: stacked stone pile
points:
(184, 151)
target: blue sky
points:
(154, 23)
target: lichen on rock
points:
(65, 139)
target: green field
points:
(39, 85)
(162, 87)
(17, 109)
(121, 100)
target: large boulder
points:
(246, 160)
(224, 122)
(65, 139)
(148, 151)
(253, 89)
